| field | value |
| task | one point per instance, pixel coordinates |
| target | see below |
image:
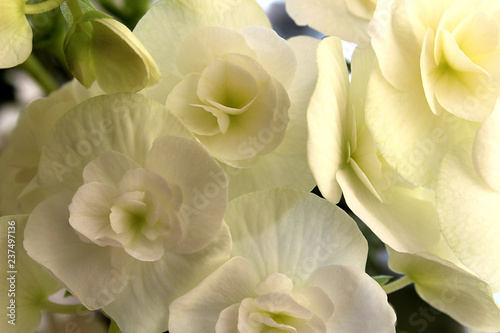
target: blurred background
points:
(20, 85)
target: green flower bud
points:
(100, 48)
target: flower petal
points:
(450, 289)
(203, 183)
(87, 270)
(486, 150)
(468, 215)
(326, 119)
(166, 25)
(347, 19)
(198, 310)
(143, 305)
(409, 135)
(16, 34)
(355, 295)
(261, 225)
(125, 123)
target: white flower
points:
(240, 88)
(347, 19)
(438, 76)
(297, 267)
(15, 33)
(133, 218)
(345, 160)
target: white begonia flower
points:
(347, 19)
(344, 158)
(438, 76)
(298, 266)
(15, 33)
(19, 162)
(26, 286)
(468, 200)
(240, 88)
(99, 48)
(446, 284)
(133, 217)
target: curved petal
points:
(486, 150)
(450, 289)
(409, 135)
(347, 19)
(275, 229)
(143, 305)
(16, 34)
(25, 284)
(405, 222)
(468, 215)
(355, 295)
(203, 183)
(274, 170)
(166, 25)
(125, 123)
(327, 119)
(199, 309)
(272, 52)
(87, 270)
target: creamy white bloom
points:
(347, 19)
(15, 33)
(240, 88)
(438, 76)
(344, 158)
(133, 217)
(298, 266)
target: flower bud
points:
(100, 48)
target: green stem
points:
(398, 284)
(65, 309)
(33, 66)
(42, 7)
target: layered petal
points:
(261, 225)
(345, 19)
(156, 285)
(450, 288)
(359, 297)
(126, 123)
(93, 274)
(468, 215)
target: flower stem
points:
(42, 7)
(33, 66)
(65, 309)
(398, 284)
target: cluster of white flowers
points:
(168, 186)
